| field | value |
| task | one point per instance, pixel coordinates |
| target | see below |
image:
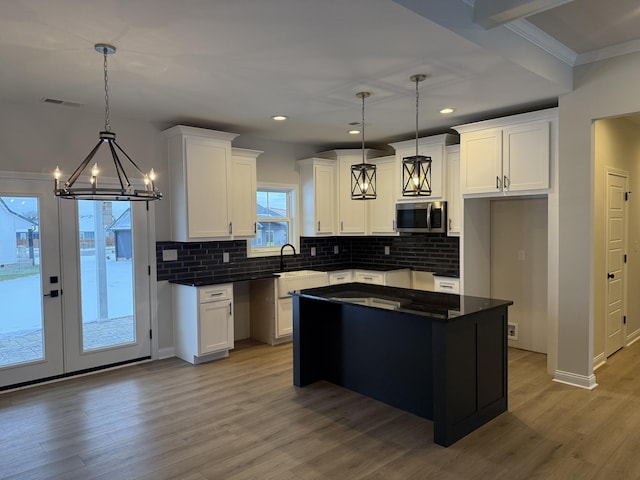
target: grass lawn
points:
(10, 272)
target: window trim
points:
(294, 238)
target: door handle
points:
(52, 294)
(611, 275)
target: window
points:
(276, 220)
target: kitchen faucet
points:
(281, 254)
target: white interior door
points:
(31, 321)
(616, 247)
(106, 263)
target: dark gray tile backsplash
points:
(432, 253)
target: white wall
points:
(604, 89)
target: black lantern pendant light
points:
(93, 191)
(363, 175)
(416, 170)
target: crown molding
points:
(546, 42)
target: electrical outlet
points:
(521, 255)
(512, 331)
(169, 255)
(336, 249)
(225, 257)
(387, 250)
(313, 251)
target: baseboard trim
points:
(633, 337)
(598, 361)
(575, 380)
(166, 352)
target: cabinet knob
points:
(611, 275)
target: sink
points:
(300, 279)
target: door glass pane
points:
(106, 274)
(21, 325)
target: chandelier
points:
(109, 192)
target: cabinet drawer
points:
(446, 284)
(214, 294)
(368, 277)
(340, 277)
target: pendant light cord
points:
(107, 125)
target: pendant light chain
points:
(363, 97)
(417, 106)
(107, 125)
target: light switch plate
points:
(313, 251)
(169, 255)
(387, 250)
(336, 249)
(225, 257)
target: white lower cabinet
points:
(340, 276)
(392, 278)
(284, 317)
(446, 284)
(203, 322)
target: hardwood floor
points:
(241, 418)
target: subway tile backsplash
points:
(432, 253)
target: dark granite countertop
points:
(435, 305)
(204, 280)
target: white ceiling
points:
(232, 64)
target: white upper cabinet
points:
(352, 214)
(317, 183)
(202, 173)
(433, 147)
(382, 210)
(508, 156)
(243, 191)
(454, 197)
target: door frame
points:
(14, 176)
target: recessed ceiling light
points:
(354, 132)
(279, 118)
(448, 110)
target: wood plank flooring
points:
(241, 418)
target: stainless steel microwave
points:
(421, 217)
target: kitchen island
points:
(440, 356)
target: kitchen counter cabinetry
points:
(509, 155)
(203, 172)
(317, 183)
(433, 147)
(392, 278)
(454, 196)
(243, 192)
(382, 211)
(203, 317)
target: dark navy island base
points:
(440, 356)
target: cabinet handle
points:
(230, 228)
(215, 294)
(229, 309)
(497, 182)
(339, 278)
(506, 182)
(318, 225)
(342, 226)
(449, 224)
(368, 278)
(393, 225)
(446, 285)
(255, 227)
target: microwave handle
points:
(429, 216)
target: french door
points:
(75, 278)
